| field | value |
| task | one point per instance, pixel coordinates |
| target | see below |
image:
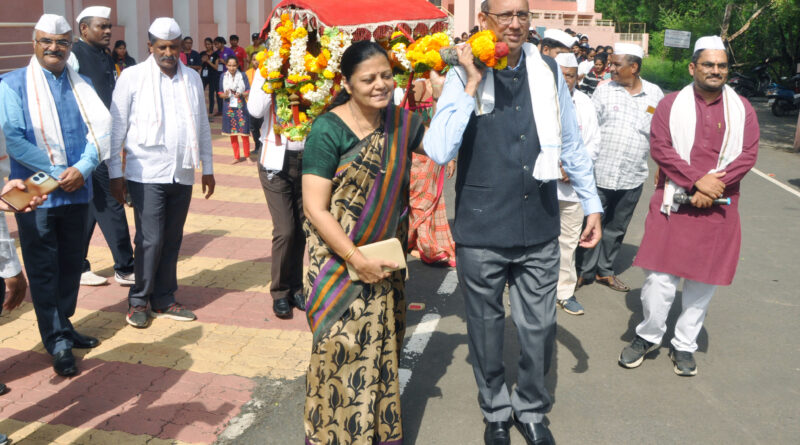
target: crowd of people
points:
(550, 162)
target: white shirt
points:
(157, 165)
(9, 261)
(590, 133)
(625, 124)
(259, 105)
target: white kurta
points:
(158, 164)
(590, 133)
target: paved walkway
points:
(172, 382)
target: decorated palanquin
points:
(305, 40)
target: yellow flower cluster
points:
(296, 79)
(485, 48)
(317, 64)
(424, 53)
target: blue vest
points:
(73, 131)
(498, 201)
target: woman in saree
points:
(429, 232)
(355, 187)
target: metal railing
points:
(631, 37)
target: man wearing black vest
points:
(96, 64)
(510, 130)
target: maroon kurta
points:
(697, 244)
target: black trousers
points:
(106, 212)
(618, 206)
(284, 195)
(160, 212)
(255, 130)
(52, 249)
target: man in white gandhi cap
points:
(159, 119)
(569, 204)
(55, 123)
(704, 140)
(93, 61)
(625, 107)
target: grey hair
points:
(33, 34)
(485, 6)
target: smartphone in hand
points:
(37, 185)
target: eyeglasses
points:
(506, 18)
(708, 66)
(61, 43)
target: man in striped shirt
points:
(625, 107)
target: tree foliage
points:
(757, 29)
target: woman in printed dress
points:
(235, 119)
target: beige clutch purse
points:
(389, 250)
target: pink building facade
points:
(131, 18)
(577, 15)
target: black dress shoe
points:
(535, 433)
(496, 433)
(298, 300)
(64, 363)
(3, 388)
(282, 308)
(81, 341)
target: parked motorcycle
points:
(755, 84)
(785, 100)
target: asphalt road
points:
(747, 389)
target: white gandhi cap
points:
(629, 49)
(560, 36)
(165, 28)
(567, 60)
(53, 24)
(709, 42)
(94, 11)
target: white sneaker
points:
(90, 278)
(128, 279)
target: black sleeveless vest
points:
(498, 201)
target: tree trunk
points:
(726, 22)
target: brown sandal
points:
(613, 282)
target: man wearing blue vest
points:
(54, 122)
(511, 129)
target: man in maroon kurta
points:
(698, 242)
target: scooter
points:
(783, 100)
(755, 84)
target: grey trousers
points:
(532, 275)
(618, 207)
(160, 212)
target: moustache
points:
(167, 59)
(54, 53)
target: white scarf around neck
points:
(682, 127)
(44, 115)
(150, 111)
(546, 110)
(234, 84)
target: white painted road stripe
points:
(776, 182)
(416, 345)
(449, 283)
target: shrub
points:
(668, 75)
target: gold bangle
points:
(349, 254)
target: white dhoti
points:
(658, 293)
